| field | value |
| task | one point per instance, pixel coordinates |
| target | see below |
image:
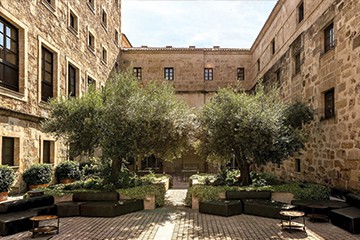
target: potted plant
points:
(67, 172)
(38, 175)
(7, 178)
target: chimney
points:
(216, 47)
(168, 46)
(191, 46)
(144, 46)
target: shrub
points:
(67, 170)
(37, 174)
(228, 178)
(264, 179)
(7, 178)
(141, 191)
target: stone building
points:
(49, 48)
(311, 48)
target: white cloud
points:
(200, 23)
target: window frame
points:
(297, 63)
(137, 71)
(91, 47)
(91, 5)
(273, 49)
(73, 29)
(13, 85)
(104, 55)
(329, 39)
(208, 74)
(329, 107)
(240, 74)
(169, 73)
(104, 21)
(43, 72)
(5, 148)
(72, 68)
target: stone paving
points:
(178, 222)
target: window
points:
(258, 65)
(50, 3)
(71, 81)
(8, 151)
(329, 37)
(91, 4)
(104, 55)
(104, 18)
(273, 46)
(329, 104)
(116, 37)
(278, 76)
(46, 156)
(297, 165)
(240, 74)
(208, 74)
(300, 12)
(9, 56)
(91, 42)
(297, 59)
(91, 82)
(151, 163)
(47, 71)
(73, 22)
(137, 72)
(169, 73)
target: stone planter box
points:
(31, 186)
(194, 202)
(166, 183)
(63, 198)
(149, 202)
(283, 197)
(66, 180)
(3, 196)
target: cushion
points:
(353, 200)
(68, 209)
(346, 218)
(128, 206)
(11, 223)
(27, 203)
(96, 197)
(248, 195)
(264, 208)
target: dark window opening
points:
(258, 65)
(329, 104)
(47, 69)
(151, 163)
(329, 37)
(116, 37)
(104, 55)
(46, 151)
(73, 21)
(104, 18)
(91, 42)
(169, 73)
(240, 74)
(91, 82)
(273, 46)
(297, 63)
(208, 74)
(301, 12)
(137, 72)
(297, 165)
(71, 81)
(8, 150)
(278, 77)
(9, 56)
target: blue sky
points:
(181, 23)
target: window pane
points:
(11, 57)
(1, 39)
(1, 27)
(11, 79)
(48, 67)
(46, 152)
(7, 151)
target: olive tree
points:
(126, 119)
(250, 128)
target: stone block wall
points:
(43, 24)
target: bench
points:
(224, 208)
(15, 215)
(97, 204)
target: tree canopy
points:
(126, 119)
(250, 128)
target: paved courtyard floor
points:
(177, 222)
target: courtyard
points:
(175, 221)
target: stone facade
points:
(62, 28)
(289, 50)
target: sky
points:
(200, 23)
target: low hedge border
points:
(301, 191)
(141, 191)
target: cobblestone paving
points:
(178, 222)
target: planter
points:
(283, 197)
(222, 195)
(3, 196)
(149, 202)
(63, 198)
(194, 202)
(66, 180)
(31, 186)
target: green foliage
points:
(141, 191)
(127, 119)
(67, 170)
(297, 114)
(37, 174)
(301, 191)
(248, 127)
(264, 179)
(7, 178)
(204, 178)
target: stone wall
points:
(42, 24)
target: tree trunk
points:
(245, 179)
(115, 169)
